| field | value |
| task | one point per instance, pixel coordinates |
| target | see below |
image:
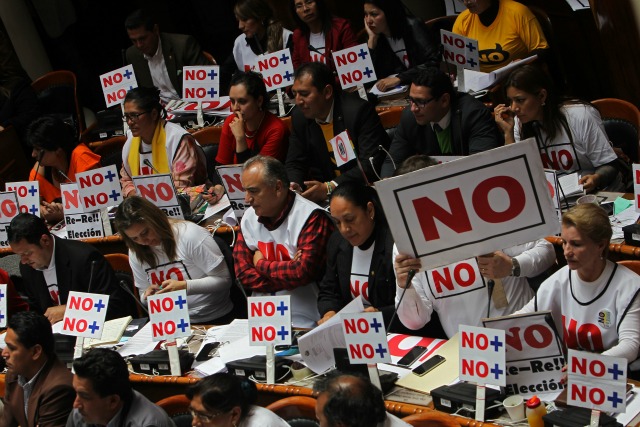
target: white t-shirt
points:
(262, 417)
(400, 49)
(160, 75)
(318, 54)
(244, 56)
(360, 267)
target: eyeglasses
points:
(205, 418)
(420, 103)
(305, 4)
(132, 116)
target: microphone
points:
(93, 267)
(407, 284)
(125, 288)
(490, 285)
(549, 319)
(314, 49)
(38, 160)
(148, 163)
(64, 176)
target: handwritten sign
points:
(169, 315)
(270, 320)
(276, 69)
(342, 148)
(460, 50)
(3, 306)
(28, 193)
(366, 338)
(115, 84)
(8, 210)
(230, 175)
(201, 83)
(160, 191)
(99, 188)
(85, 314)
(354, 66)
(469, 207)
(482, 355)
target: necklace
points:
(251, 134)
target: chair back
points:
(208, 136)
(177, 407)
(633, 265)
(622, 123)
(295, 409)
(57, 95)
(390, 118)
(431, 418)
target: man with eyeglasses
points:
(104, 395)
(440, 121)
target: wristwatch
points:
(515, 267)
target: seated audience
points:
(155, 145)
(569, 133)
(181, 252)
(229, 400)
(506, 31)
(104, 396)
(318, 33)
(282, 247)
(440, 121)
(38, 389)
(157, 58)
(320, 114)
(507, 269)
(52, 267)
(59, 157)
(596, 309)
(398, 42)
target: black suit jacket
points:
(73, 269)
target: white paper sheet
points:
(140, 343)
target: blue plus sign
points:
(212, 92)
(33, 209)
(282, 308)
(497, 371)
(496, 343)
(284, 58)
(110, 175)
(94, 327)
(114, 195)
(615, 371)
(471, 47)
(32, 190)
(381, 350)
(180, 301)
(283, 333)
(471, 62)
(183, 325)
(213, 74)
(130, 87)
(127, 74)
(1, 295)
(1, 316)
(375, 325)
(363, 54)
(368, 72)
(614, 399)
(99, 305)
(288, 76)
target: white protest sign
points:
(552, 185)
(354, 66)
(230, 177)
(597, 382)
(84, 226)
(469, 207)
(99, 188)
(3, 306)
(276, 69)
(115, 84)
(71, 199)
(8, 210)
(482, 355)
(169, 315)
(342, 148)
(455, 279)
(460, 50)
(270, 320)
(534, 354)
(201, 83)
(84, 315)
(28, 193)
(366, 338)
(636, 185)
(159, 190)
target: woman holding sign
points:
(594, 301)
(169, 255)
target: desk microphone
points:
(490, 285)
(549, 319)
(125, 288)
(407, 284)
(148, 163)
(314, 49)
(64, 176)
(93, 267)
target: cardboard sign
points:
(71, 199)
(270, 320)
(3, 306)
(276, 69)
(552, 185)
(99, 188)
(342, 148)
(28, 193)
(473, 206)
(84, 225)
(230, 176)
(115, 84)
(455, 279)
(534, 354)
(160, 191)
(460, 50)
(201, 83)
(636, 185)
(354, 66)
(85, 314)
(366, 338)
(169, 315)
(597, 382)
(8, 210)
(482, 355)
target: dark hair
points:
(137, 210)
(321, 75)
(33, 328)
(414, 163)
(323, 13)
(395, 15)
(360, 195)
(352, 401)
(147, 99)
(51, 133)
(107, 371)
(27, 226)
(254, 85)
(273, 169)
(139, 18)
(262, 12)
(223, 392)
(434, 79)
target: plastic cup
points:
(515, 407)
(589, 198)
